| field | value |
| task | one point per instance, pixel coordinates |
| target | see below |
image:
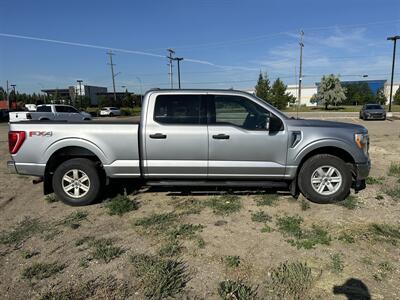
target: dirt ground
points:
(353, 253)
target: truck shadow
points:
(353, 289)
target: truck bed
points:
(116, 144)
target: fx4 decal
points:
(40, 133)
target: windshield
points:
(373, 106)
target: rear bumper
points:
(11, 167)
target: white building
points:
(90, 91)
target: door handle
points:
(158, 136)
(221, 136)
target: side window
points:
(43, 109)
(70, 109)
(238, 111)
(179, 109)
(60, 109)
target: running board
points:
(219, 183)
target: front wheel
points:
(76, 182)
(325, 178)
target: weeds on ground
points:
(394, 169)
(266, 228)
(374, 180)
(291, 280)
(385, 232)
(225, 204)
(234, 290)
(41, 270)
(74, 219)
(290, 226)
(84, 240)
(267, 199)
(393, 192)
(120, 205)
(351, 202)
(100, 288)
(346, 237)
(379, 197)
(337, 264)
(26, 254)
(261, 217)
(157, 222)
(384, 269)
(104, 250)
(304, 205)
(188, 206)
(51, 198)
(186, 231)
(232, 261)
(84, 262)
(160, 278)
(200, 242)
(170, 248)
(25, 229)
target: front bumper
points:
(11, 167)
(362, 170)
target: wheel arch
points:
(63, 154)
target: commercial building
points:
(72, 93)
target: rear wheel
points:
(325, 178)
(111, 115)
(76, 182)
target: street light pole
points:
(300, 71)
(394, 39)
(171, 79)
(112, 74)
(14, 95)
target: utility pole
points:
(394, 39)
(300, 70)
(79, 81)
(178, 59)
(112, 74)
(7, 96)
(14, 94)
(170, 53)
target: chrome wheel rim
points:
(76, 183)
(326, 180)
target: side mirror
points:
(267, 121)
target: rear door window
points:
(180, 109)
(43, 109)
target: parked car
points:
(47, 112)
(195, 138)
(372, 111)
(110, 111)
(30, 107)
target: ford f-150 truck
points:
(195, 138)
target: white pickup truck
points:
(47, 112)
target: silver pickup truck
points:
(195, 138)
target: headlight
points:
(361, 140)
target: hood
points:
(326, 124)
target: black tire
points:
(85, 166)
(111, 115)
(308, 169)
(361, 117)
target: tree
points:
(263, 88)
(380, 97)
(127, 100)
(330, 91)
(278, 95)
(314, 99)
(396, 97)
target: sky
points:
(224, 43)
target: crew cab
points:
(48, 112)
(195, 138)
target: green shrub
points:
(232, 261)
(337, 264)
(291, 280)
(120, 205)
(394, 169)
(351, 202)
(104, 250)
(225, 205)
(42, 270)
(233, 290)
(74, 219)
(157, 222)
(184, 231)
(160, 278)
(261, 217)
(267, 199)
(22, 231)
